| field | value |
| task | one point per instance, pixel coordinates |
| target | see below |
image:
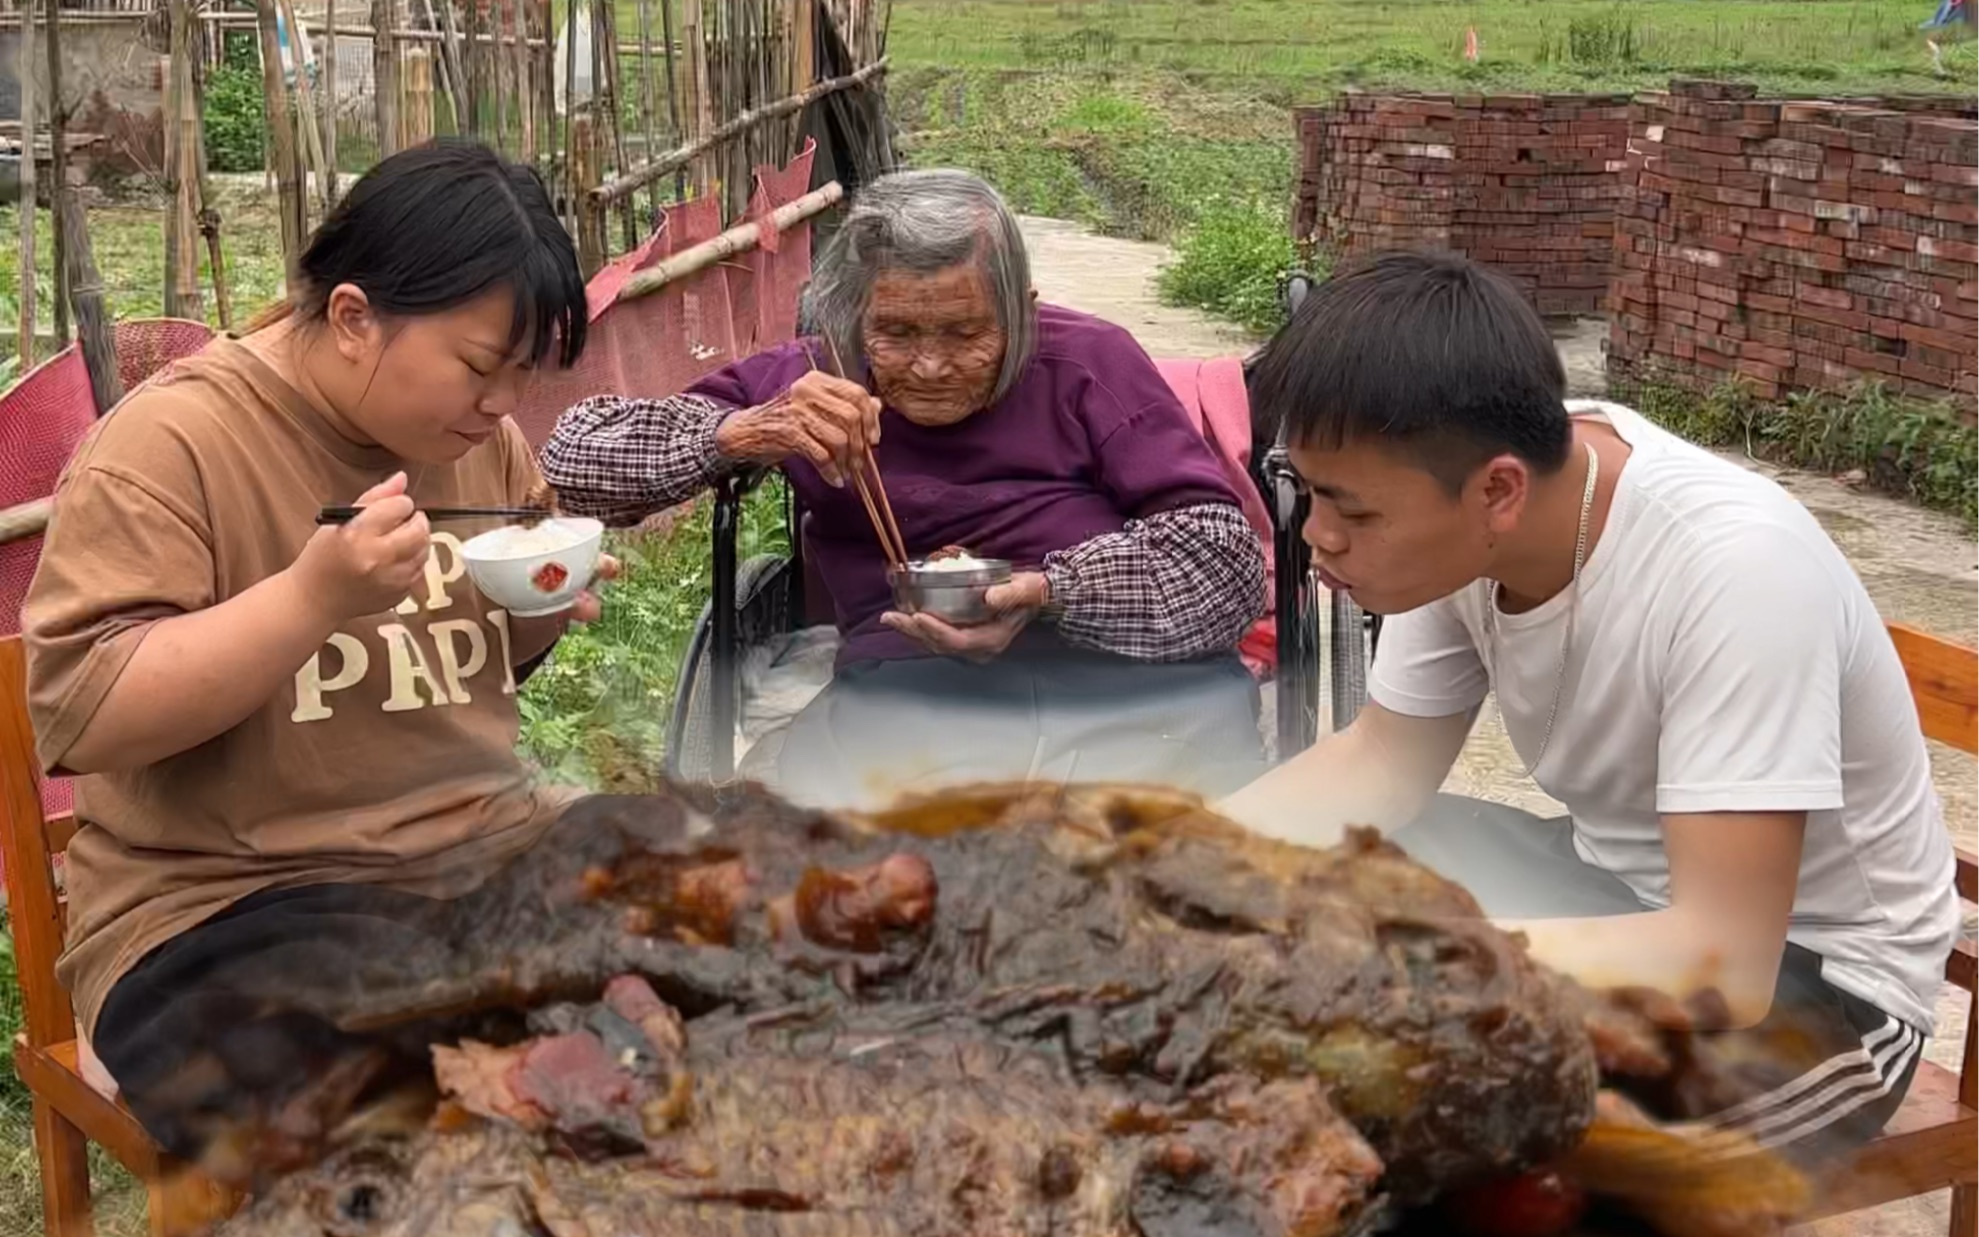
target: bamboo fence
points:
(685, 101)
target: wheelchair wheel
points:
(764, 610)
(1346, 658)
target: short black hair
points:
(433, 227)
(1428, 352)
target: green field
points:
(1296, 50)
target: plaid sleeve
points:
(620, 460)
(1174, 585)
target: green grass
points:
(1298, 50)
(596, 714)
(1922, 450)
(128, 241)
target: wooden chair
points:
(1933, 1141)
(69, 1114)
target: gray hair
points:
(926, 221)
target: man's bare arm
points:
(1382, 770)
(1732, 882)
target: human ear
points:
(1501, 489)
(353, 324)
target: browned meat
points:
(1128, 934)
(725, 1012)
(920, 1135)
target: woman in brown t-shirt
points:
(286, 735)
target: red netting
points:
(42, 418)
(656, 345)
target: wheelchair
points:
(1324, 641)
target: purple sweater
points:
(1090, 437)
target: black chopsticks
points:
(344, 515)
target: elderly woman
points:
(1020, 431)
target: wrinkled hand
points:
(1015, 604)
(587, 608)
(370, 564)
(823, 419)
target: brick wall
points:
(1799, 245)
(1525, 183)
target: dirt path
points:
(1919, 566)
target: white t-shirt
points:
(1726, 659)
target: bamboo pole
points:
(418, 108)
(99, 346)
(29, 281)
(182, 292)
(58, 168)
(679, 157)
(384, 79)
(525, 98)
(570, 155)
(452, 80)
(472, 127)
(174, 235)
(330, 99)
(647, 104)
(736, 240)
(605, 38)
(312, 137)
(673, 96)
(697, 107)
(498, 74)
(591, 214)
(281, 126)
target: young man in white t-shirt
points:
(1680, 654)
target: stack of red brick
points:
(1525, 183)
(1798, 245)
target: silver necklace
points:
(1573, 619)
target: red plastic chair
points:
(43, 418)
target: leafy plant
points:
(1231, 264)
(595, 715)
(1919, 449)
(236, 128)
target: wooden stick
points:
(673, 97)
(879, 487)
(739, 239)
(631, 181)
(281, 126)
(330, 98)
(472, 127)
(58, 167)
(498, 72)
(29, 278)
(605, 39)
(570, 115)
(525, 98)
(894, 557)
(312, 137)
(886, 507)
(99, 346)
(182, 292)
(647, 106)
(209, 227)
(453, 76)
(384, 79)
(591, 214)
(24, 520)
(699, 105)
